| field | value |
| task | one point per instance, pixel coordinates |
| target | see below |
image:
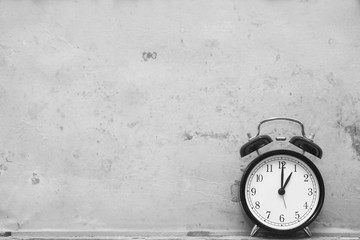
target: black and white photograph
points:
(179, 120)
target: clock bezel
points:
(302, 158)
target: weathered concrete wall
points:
(130, 114)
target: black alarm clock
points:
(281, 190)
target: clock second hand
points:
(283, 197)
(282, 188)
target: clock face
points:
(282, 191)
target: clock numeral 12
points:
(282, 164)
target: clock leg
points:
(254, 230)
(307, 231)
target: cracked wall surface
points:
(130, 114)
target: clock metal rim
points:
(301, 157)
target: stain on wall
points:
(353, 131)
(105, 133)
(149, 55)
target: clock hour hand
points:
(287, 180)
(281, 190)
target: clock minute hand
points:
(282, 175)
(287, 180)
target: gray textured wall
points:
(130, 114)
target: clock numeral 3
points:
(310, 193)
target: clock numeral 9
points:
(253, 191)
(281, 218)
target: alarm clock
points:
(281, 190)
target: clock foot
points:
(254, 230)
(307, 231)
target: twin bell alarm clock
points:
(281, 190)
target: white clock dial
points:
(282, 192)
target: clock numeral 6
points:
(281, 218)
